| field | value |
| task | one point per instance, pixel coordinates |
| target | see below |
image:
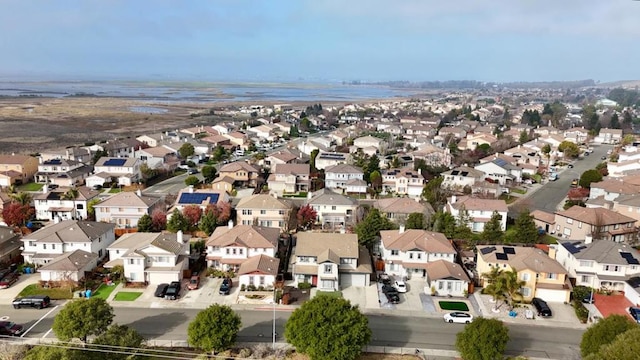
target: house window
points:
(616, 226)
(32, 243)
(449, 285)
(263, 212)
(586, 263)
(440, 285)
(80, 206)
(280, 212)
(569, 221)
(53, 246)
(333, 207)
(395, 252)
(246, 212)
(585, 279)
(240, 251)
(605, 267)
(327, 269)
(525, 277)
(525, 291)
(579, 224)
(262, 280)
(117, 251)
(44, 246)
(552, 276)
(131, 262)
(281, 224)
(410, 255)
(616, 268)
(346, 260)
(251, 280)
(132, 276)
(419, 256)
(228, 251)
(234, 251)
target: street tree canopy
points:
(82, 318)
(328, 328)
(214, 328)
(483, 339)
(186, 150)
(569, 149)
(368, 229)
(604, 332)
(119, 335)
(625, 346)
(588, 177)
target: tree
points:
(145, 224)
(614, 123)
(373, 164)
(625, 346)
(395, 163)
(494, 286)
(60, 352)
(72, 194)
(602, 168)
(462, 229)
(569, 149)
(531, 117)
(214, 329)
(177, 222)
(15, 214)
(588, 177)
(492, 232)
(98, 155)
(345, 330)
(627, 119)
(483, 339)
(209, 173)
(146, 172)
(376, 180)
(443, 222)
(415, 221)
(218, 154)
(91, 208)
(22, 198)
(224, 213)
(208, 221)
(512, 285)
(306, 217)
(525, 228)
(604, 332)
(186, 150)
(368, 230)
(159, 219)
(122, 336)
(312, 159)
(192, 180)
(192, 213)
(524, 137)
(546, 150)
(82, 318)
(294, 132)
(434, 194)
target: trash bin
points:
(87, 294)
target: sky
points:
(321, 40)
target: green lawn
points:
(104, 291)
(335, 294)
(548, 239)
(508, 198)
(453, 305)
(30, 187)
(54, 294)
(114, 191)
(519, 191)
(127, 296)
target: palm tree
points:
(11, 189)
(23, 198)
(512, 285)
(495, 285)
(72, 194)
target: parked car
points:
(574, 183)
(8, 280)
(173, 291)
(392, 297)
(542, 307)
(10, 328)
(401, 286)
(635, 313)
(604, 158)
(458, 317)
(192, 171)
(161, 290)
(194, 283)
(34, 301)
(225, 287)
(97, 187)
(589, 299)
(388, 288)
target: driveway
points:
(208, 293)
(612, 304)
(7, 295)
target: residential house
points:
(125, 208)
(330, 261)
(501, 171)
(74, 153)
(608, 136)
(340, 137)
(10, 245)
(398, 209)
(59, 204)
(242, 173)
(289, 178)
(461, 177)
(544, 221)
(433, 155)
(336, 177)
(456, 132)
(327, 159)
(267, 132)
(159, 157)
(51, 241)
(223, 184)
(263, 210)
(122, 171)
(609, 189)
(543, 276)
(602, 224)
(217, 140)
(199, 197)
(628, 205)
(334, 211)
(479, 211)
(473, 140)
(62, 172)
(368, 141)
(405, 181)
(151, 258)
(406, 253)
(151, 140)
(238, 139)
(230, 246)
(17, 169)
(446, 278)
(259, 271)
(121, 148)
(576, 135)
(70, 266)
(280, 157)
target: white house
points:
(70, 266)
(404, 181)
(62, 172)
(478, 210)
(228, 247)
(334, 211)
(446, 278)
(259, 271)
(368, 141)
(501, 171)
(154, 258)
(609, 136)
(337, 176)
(60, 204)
(327, 159)
(460, 177)
(123, 171)
(125, 208)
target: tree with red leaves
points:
(16, 214)
(578, 194)
(192, 213)
(306, 217)
(224, 213)
(159, 220)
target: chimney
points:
(275, 195)
(588, 239)
(453, 199)
(419, 171)
(45, 188)
(190, 189)
(67, 154)
(139, 192)
(401, 230)
(230, 224)
(179, 237)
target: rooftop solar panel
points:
(502, 256)
(464, 173)
(115, 162)
(54, 162)
(509, 250)
(487, 250)
(455, 172)
(633, 261)
(198, 198)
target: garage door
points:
(160, 278)
(552, 295)
(347, 280)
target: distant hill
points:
(472, 84)
(625, 84)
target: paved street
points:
(407, 332)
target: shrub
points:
(304, 286)
(243, 287)
(581, 312)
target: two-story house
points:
(126, 208)
(327, 159)
(405, 181)
(42, 246)
(60, 204)
(242, 173)
(152, 258)
(479, 211)
(544, 277)
(62, 172)
(406, 253)
(10, 245)
(331, 261)
(461, 177)
(199, 197)
(334, 211)
(336, 177)
(576, 135)
(501, 171)
(17, 169)
(158, 157)
(230, 246)
(122, 171)
(398, 209)
(603, 265)
(289, 178)
(263, 210)
(369, 141)
(602, 224)
(75, 153)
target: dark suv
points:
(10, 328)
(36, 301)
(225, 287)
(173, 291)
(541, 307)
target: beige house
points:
(479, 210)
(259, 271)
(230, 246)
(602, 224)
(10, 245)
(334, 211)
(263, 210)
(17, 169)
(445, 278)
(126, 208)
(544, 277)
(71, 266)
(289, 178)
(242, 173)
(398, 209)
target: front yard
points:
(104, 291)
(127, 295)
(30, 187)
(53, 293)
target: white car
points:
(458, 317)
(401, 286)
